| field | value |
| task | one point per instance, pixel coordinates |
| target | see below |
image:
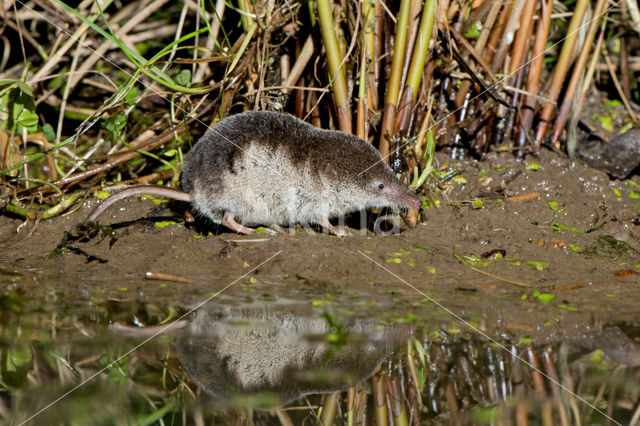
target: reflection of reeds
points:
(168, 65)
(445, 378)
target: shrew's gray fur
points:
(270, 168)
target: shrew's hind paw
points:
(334, 230)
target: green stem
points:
(421, 47)
(334, 61)
(393, 88)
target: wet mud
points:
(540, 252)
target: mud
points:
(569, 259)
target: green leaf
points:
(49, 133)
(544, 297)
(539, 265)
(474, 31)
(556, 227)
(553, 205)
(116, 123)
(532, 166)
(27, 118)
(183, 78)
(478, 204)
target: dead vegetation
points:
(96, 93)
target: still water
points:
(283, 362)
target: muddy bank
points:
(540, 249)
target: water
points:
(117, 362)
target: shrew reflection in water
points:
(284, 363)
(278, 354)
(252, 357)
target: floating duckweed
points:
(567, 307)
(370, 282)
(473, 259)
(403, 251)
(163, 223)
(453, 329)
(459, 179)
(596, 356)
(411, 317)
(260, 230)
(431, 269)
(123, 289)
(538, 264)
(547, 323)
(524, 341)
(516, 263)
(197, 236)
(251, 280)
(483, 172)
(553, 205)
(319, 303)
(524, 297)
(411, 263)
(632, 194)
(394, 260)
(605, 122)
(533, 166)
(478, 204)
(556, 227)
(367, 251)
(544, 297)
(574, 248)
(617, 192)
(333, 337)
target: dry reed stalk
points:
(479, 46)
(586, 84)
(546, 412)
(334, 61)
(414, 75)
(561, 69)
(508, 35)
(329, 408)
(533, 77)
(393, 83)
(379, 398)
(497, 32)
(577, 74)
(550, 369)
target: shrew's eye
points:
(381, 185)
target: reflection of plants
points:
(428, 379)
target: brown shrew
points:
(269, 168)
